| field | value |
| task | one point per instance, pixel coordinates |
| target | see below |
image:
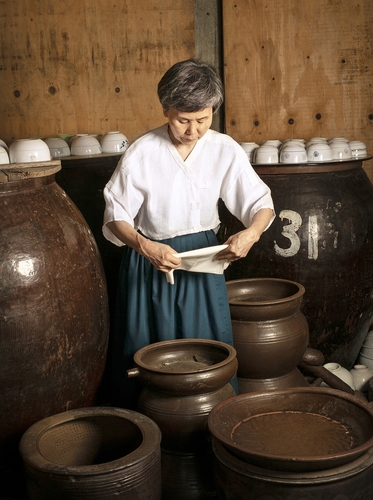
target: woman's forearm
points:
(161, 256)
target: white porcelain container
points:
(341, 373)
(85, 145)
(317, 140)
(340, 150)
(361, 374)
(4, 157)
(319, 152)
(266, 155)
(28, 151)
(293, 153)
(4, 145)
(365, 359)
(58, 147)
(358, 149)
(114, 142)
(272, 142)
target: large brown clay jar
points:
(53, 304)
(322, 237)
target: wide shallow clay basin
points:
(297, 429)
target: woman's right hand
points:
(160, 255)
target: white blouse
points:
(163, 196)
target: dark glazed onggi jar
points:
(322, 237)
(270, 332)
(183, 380)
(53, 305)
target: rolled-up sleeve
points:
(122, 202)
(247, 195)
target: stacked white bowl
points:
(58, 147)
(249, 148)
(85, 145)
(315, 150)
(4, 144)
(4, 153)
(114, 142)
(28, 151)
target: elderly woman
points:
(162, 200)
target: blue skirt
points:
(149, 309)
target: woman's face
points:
(187, 128)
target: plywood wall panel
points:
(298, 69)
(87, 66)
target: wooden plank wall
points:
(87, 66)
(299, 69)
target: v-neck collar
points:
(187, 164)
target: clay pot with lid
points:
(183, 380)
(186, 366)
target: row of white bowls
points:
(315, 150)
(39, 150)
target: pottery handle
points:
(133, 372)
(328, 377)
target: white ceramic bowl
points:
(85, 145)
(4, 145)
(319, 152)
(249, 148)
(361, 375)
(341, 372)
(266, 155)
(340, 150)
(271, 142)
(29, 150)
(114, 142)
(364, 360)
(369, 336)
(58, 147)
(367, 351)
(4, 157)
(293, 142)
(368, 342)
(337, 139)
(358, 149)
(293, 153)
(316, 140)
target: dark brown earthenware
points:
(322, 237)
(183, 381)
(298, 429)
(54, 321)
(93, 453)
(270, 332)
(186, 366)
(236, 479)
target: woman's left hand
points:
(240, 243)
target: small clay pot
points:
(270, 333)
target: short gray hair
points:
(191, 86)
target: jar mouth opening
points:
(263, 291)
(184, 356)
(332, 366)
